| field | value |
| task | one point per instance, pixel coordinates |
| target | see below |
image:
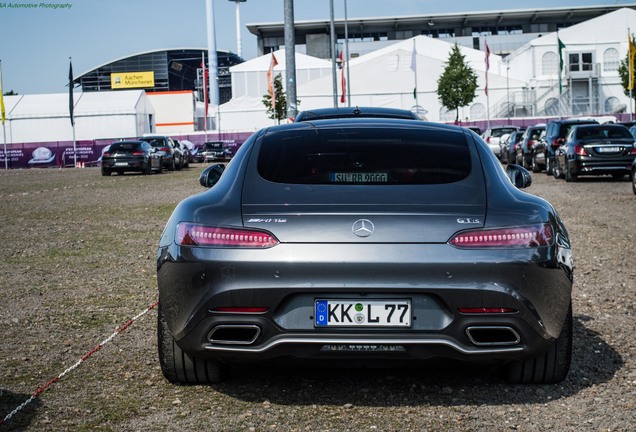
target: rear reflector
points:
(189, 234)
(486, 310)
(517, 237)
(240, 309)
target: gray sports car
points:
(365, 240)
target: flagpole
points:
(487, 61)
(4, 130)
(71, 104)
(347, 53)
(630, 72)
(414, 68)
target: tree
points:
(457, 84)
(623, 72)
(279, 112)
(10, 93)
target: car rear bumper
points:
(596, 167)
(195, 282)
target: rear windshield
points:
(503, 131)
(364, 156)
(125, 146)
(602, 132)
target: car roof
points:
(348, 112)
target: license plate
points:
(121, 163)
(608, 149)
(362, 313)
(359, 177)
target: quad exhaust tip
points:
(235, 334)
(492, 335)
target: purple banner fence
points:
(88, 153)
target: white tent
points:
(380, 78)
(45, 117)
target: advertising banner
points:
(126, 80)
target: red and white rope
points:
(78, 363)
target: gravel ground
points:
(77, 262)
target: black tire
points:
(556, 170)
(105, 172)
(179, 367)
(569, 176)
(160, 170)
(147, 169)
(618, 176)
(550, 367)
(535, 166)
(548, 166)
(528, 164)
(634, 181)
(171, 165)
(179, 166)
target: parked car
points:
(493, 135)
(475, 129)
(347, 112)
(124, 156)
(172, 157)
(214, 151)
(554, 136)
(525, 152)
(186, 157)
(509, 147)
(632, 130)
(318, 243)
(633, 176)
(595, 150)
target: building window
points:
(446, 115)
(550, 63)
(610, 60)
(551, 107)
(477, 111)
(611, 103)
(579, 62)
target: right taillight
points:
(189, 234)
(531, 236)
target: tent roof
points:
(262, 63)
(607, 28)
(57, 105)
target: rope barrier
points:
(78, 363)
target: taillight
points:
(633, 150)
(165, 149)
(531, 143)
(580, 150)
(106, 154)
(488, 140)
(517, 237)
(189, 234)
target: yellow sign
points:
(132, 80)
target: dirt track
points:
(77, 261)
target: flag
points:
(270, 81)
(3, 114)
(487, 60)
(561, 47)
(414, 68)
(343, 81)
(70, 92)
(205, 95)
(631, 57)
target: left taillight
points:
(189, 234)
(531, 236)
(579, 150)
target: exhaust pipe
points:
(235, 334)
(492, 335)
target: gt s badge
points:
(468, 221)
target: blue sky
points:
(36, 43)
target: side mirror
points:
(519, 176)
(211, 175)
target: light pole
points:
(508, 89)
(238, 27)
